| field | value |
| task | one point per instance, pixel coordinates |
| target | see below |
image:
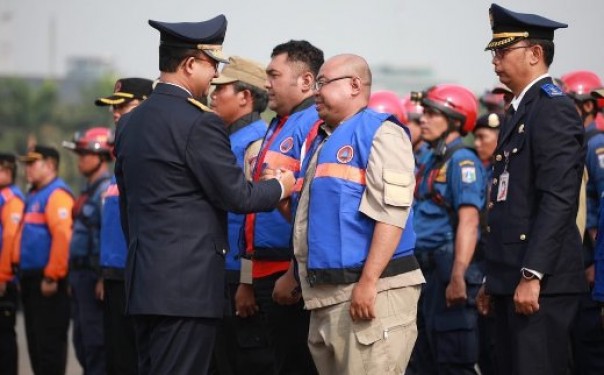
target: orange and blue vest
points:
(240, 141)
(36, 239)
(7, 194)
(113, 243)
(268, 234)
(339, 235)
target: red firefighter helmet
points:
(98, 140)
(387, 102)
(579, 85)
(454, 101)
(413, 109)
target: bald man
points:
(353, 233)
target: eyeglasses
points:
(319, 84)
(501, 52)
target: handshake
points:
(284, 176)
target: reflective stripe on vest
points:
(268, 235)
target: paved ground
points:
(73, 367)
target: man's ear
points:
(308, 81)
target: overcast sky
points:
(447, 35)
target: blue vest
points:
(268, 233)
(113, 243)
(87, 222)
(339, 235)
(35, 238)
(6, 194)
(240, 141)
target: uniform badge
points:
(468, 174)
(345, 154)
(521, 129)
(15, 218)
(63, 213)
(286, 145)
(441, 176)
(118, 86)
(552, 90)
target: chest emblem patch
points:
(286, 145)
(345, 154)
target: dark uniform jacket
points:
(177, 178)
(535, 227)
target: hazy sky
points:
(447, 35)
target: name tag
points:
(502, 189)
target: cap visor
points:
(29, 157)
(223, 80)
(216, 55)
(110, 100)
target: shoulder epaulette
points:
(552, 90)
(199, 105)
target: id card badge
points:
(502, 189)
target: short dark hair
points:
(170, 58)
(12, 166)
(259, 96)
(301, 51)
(548, 49)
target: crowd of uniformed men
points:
(364, 234)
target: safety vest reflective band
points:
(114, 249)
(268, 235)
(35, 237)
(240, 141)
(339, 235)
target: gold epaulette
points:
(199, 105)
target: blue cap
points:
(511, 27)
(206, 36)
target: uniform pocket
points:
(398, 187)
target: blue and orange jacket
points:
(11, 212)
(43, 241)
(240, 141)
(339, 235)
(268, 235)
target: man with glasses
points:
(177, 178)
(534, 268)
(290, 83)
(353, 230)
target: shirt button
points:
(488, 229)
(523, 237)
(495, 181)
(491, 204)
(498, 157)
(514, 151)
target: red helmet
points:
(413, 108)
(97, 140)
(456, 102)
(387, 102)
(579, 85)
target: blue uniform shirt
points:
(461, 181)
(595, 169)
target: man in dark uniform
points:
(534, 266)
(177, 177)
